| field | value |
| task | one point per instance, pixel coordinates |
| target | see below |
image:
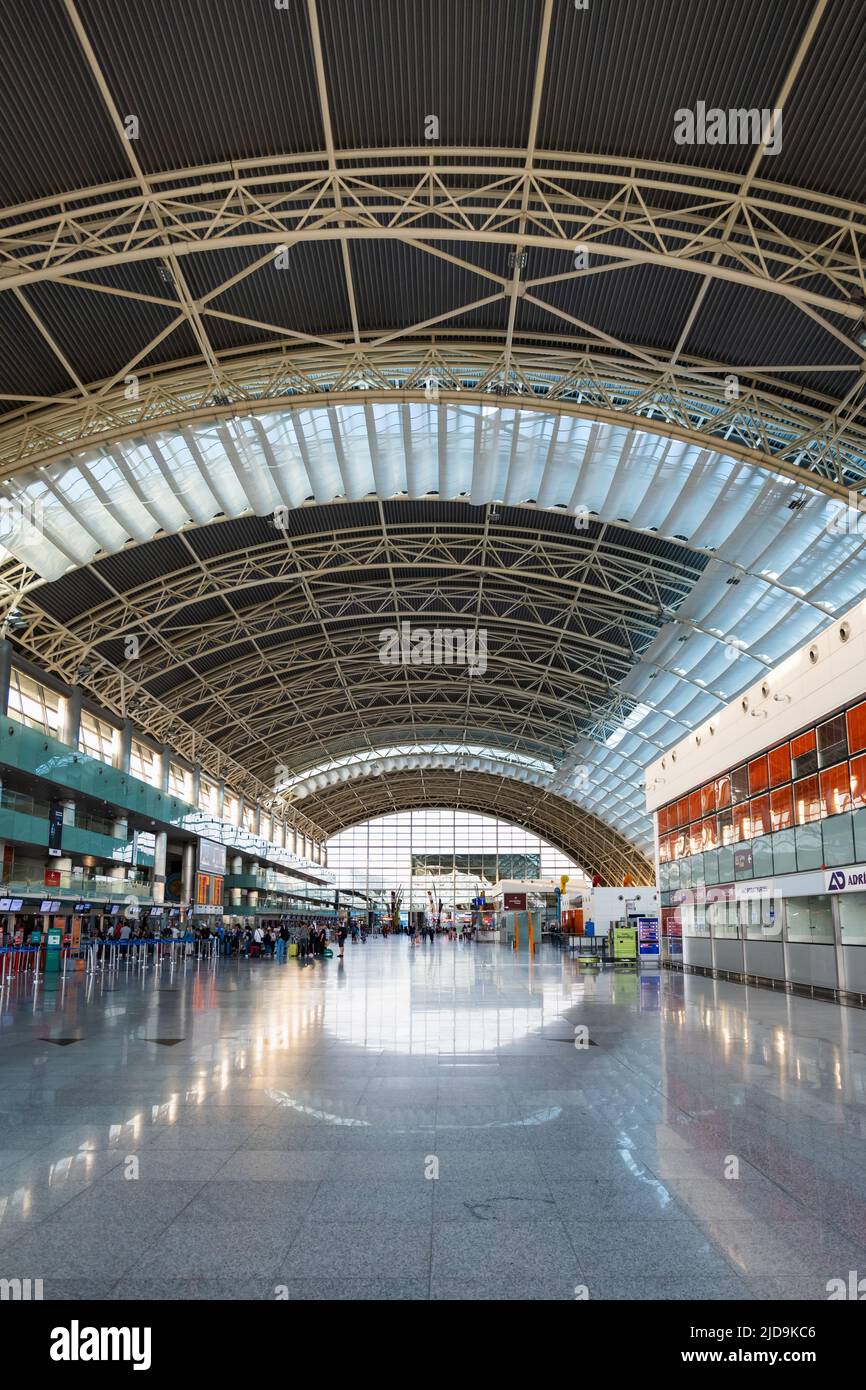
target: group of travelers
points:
(275, 940)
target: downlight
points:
(744, 704)
(813, 654)
(844, 632)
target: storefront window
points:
(723, 792)
(695, 838)
(695, 805)
(709, 833)
(694, 919)
(809, 919)
(852, 918)
(708, 799)
(722, 916)
(759, 919)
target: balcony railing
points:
(75, 885)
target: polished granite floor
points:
(267, 1129)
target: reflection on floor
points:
(269, 1130)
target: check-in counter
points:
(809, 964)
(728, 954)
(854, 968)
(765, 959)
(698, 951)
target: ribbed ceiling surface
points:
(705, 553)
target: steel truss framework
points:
(569, 636)
(583, 837)
(781, 241)
(564, 619)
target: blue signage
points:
(648, 936)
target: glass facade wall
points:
(451, 854)
(799, 805)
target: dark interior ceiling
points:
(220, 88)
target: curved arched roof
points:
(431, 350)
(580, 835)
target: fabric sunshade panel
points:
(807, 800)
(781, 809)
(835, 790)
(741, 822)
(779, 760)
(804, 755)
(858, 782)
(759, 816)
(759, 776)
(856, 721)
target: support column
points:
(123, 754)
(258, 821)
(188, 873)
(196, 784)
(160, 854)
(5, 674)
(253, 895)
(236, 867)
(120, 831)
(242, 805)
(221, 799)
(72, 718)
(164, 767)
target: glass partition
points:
(810, 919)
(852, 918)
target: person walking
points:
(341, 938)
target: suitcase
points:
(255, 948)
(293, 948)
